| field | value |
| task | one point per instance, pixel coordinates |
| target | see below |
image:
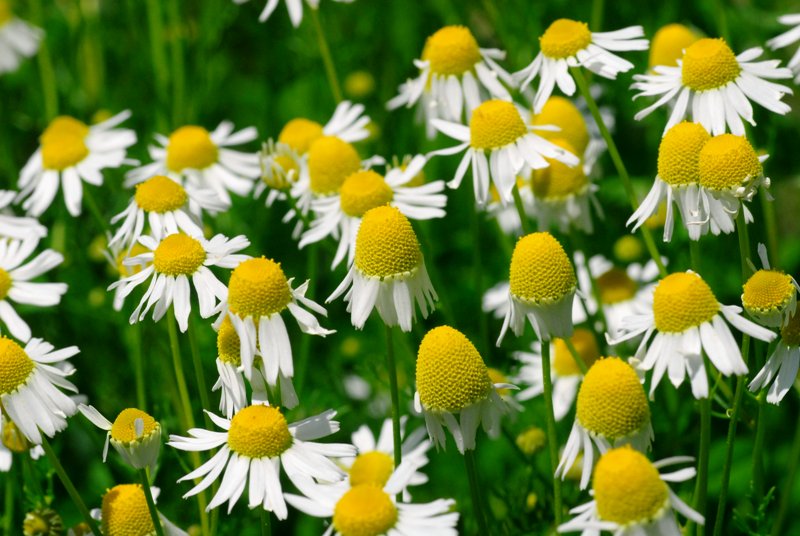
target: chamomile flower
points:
(770, 296)
(568, 43)
(29, 387)
(455, 76)
(116, 256)
(70, 152)
(631, 498)
(255, 443)
(12, 441)
(787, 38)
(294, 7)
(42, 521)
(498, 144)
(454, 390)
(715, 87)
(134, 434)
(16, 227)
(340, 215)
(169, 263)
(612, 410)
(125, 512)
(281, 167)
(388, 272)
(18, 39)
(668, 44)
(688, 320)
(204, 159)
(780, 371)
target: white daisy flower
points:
(388, 272)
(568, 43)
(169, 263)
(455, 76)
(15, 227)
(281, 167)
(18, 39)
(340, 215)
(631, 498)
(688, 320)
(787, 38)
(134, 434)
(116, 257)
(715, 87)
(125, 506)
(769, 296)
(13, 442)
(294, 7)
(71, 151)
(668, 44)
(204, 159)
(255, 443)
(780, 371)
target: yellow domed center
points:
(127, 271)
(768, 290)
(5, 284)
(564, 38)
(682, 301)
(63, 143)
(451, 51)
(228, 343)
(709, 64)
(259, 432)
(330, 161)
(386, 244)
(15, 366)
(559, 181)
(362, 191)
(790, 333)
(494, 124)
(374, 467)
(585, 344)
(615, 286)
(668, 44)
(728, 162)
(628, 489)
(190, 147)
(679, 153)
(258, 287)
(611, 400)
(364, 510)
(300, 133)
(160, 194)
(179, 254)
(451, 374)
(125, 513)
(13, 439)
(561, 112)
(540, 271)
(124, 428)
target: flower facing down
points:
(134, 434)
(780, 370)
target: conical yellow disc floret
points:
(125, 513)
(628, 488)
(682, 301)
(615, 286)
(790, 333)
(668, 44)
(5, 283)
(63, 143)
(330, 161)
(13, 439)
(259, 432)
(679, 153)
(494, 124)
(564, 38)
(540, 271)
(558, 181)
(386, 244)
(258, 287)
(300, 133)
(124, 428)
(585, 344)
(364, 510)
(228, 343)
(190, 147)
(561, 112)
(362, 191)
(160, 194)
(451, 51)
(179, 254)
(728, 162)
(767, 291)
(15, 366)
(709, 64)
(374, 467)
(451, 374)
(611, 400)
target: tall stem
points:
(552, 440)
(392, 370)
(8, 503)
(138, 365)
(151, 505)
(200, 376)
(327, 59)
(46, 71)
(598, 9)
(575, 355)
(523, 217)
(475, 492)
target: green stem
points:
(523, 217)
(771, 226)
(46, 71)
(701, 483)
(200, 376)
(177, 67)
(177, 365)
(8, 503)
(392, 370)
(266, 523)
(758, 450)
(484, 347)
(312, 262)
(476, 492)
(694, 255)
(91, 202)
(159, 57)
(552, 440)
(575, 355)
(327, 59)
(151, 505)
(598, 9)
(138, 365)
(722, 20)
(613, 152)
(787, 496)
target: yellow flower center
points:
(15, 366)
(179, 254)
(531, 440)
(124, 428)
(628, 248)
(300, 133)
(125, 513)
(364, 510)
(767, 290)
(259, 432)
(283, 180)
(372, 467)
(228, 344)
(611, 400)
(559, 181)
(540, 271)
(615, 286)
(709, 64)
(13, 439)
(63, 143)
(668, 44)
(190, 147)
(258, 287)
(585, 344)
(564, 38)
(560, 111)
(451, 51)
(790, 333)
(451, 374)
(679, 153)
(628, 488)
(5, 284)
(494, 124)
(160, 194)
(330, 161)
(386, 244)
(682, 301)
(728, 162)
(127, 271)
(362, 191)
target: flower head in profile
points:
(294, 7)
(780, 371)
(787, 38)
(769, 295)
(125, 512)
(18, 39)
(134, 434)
